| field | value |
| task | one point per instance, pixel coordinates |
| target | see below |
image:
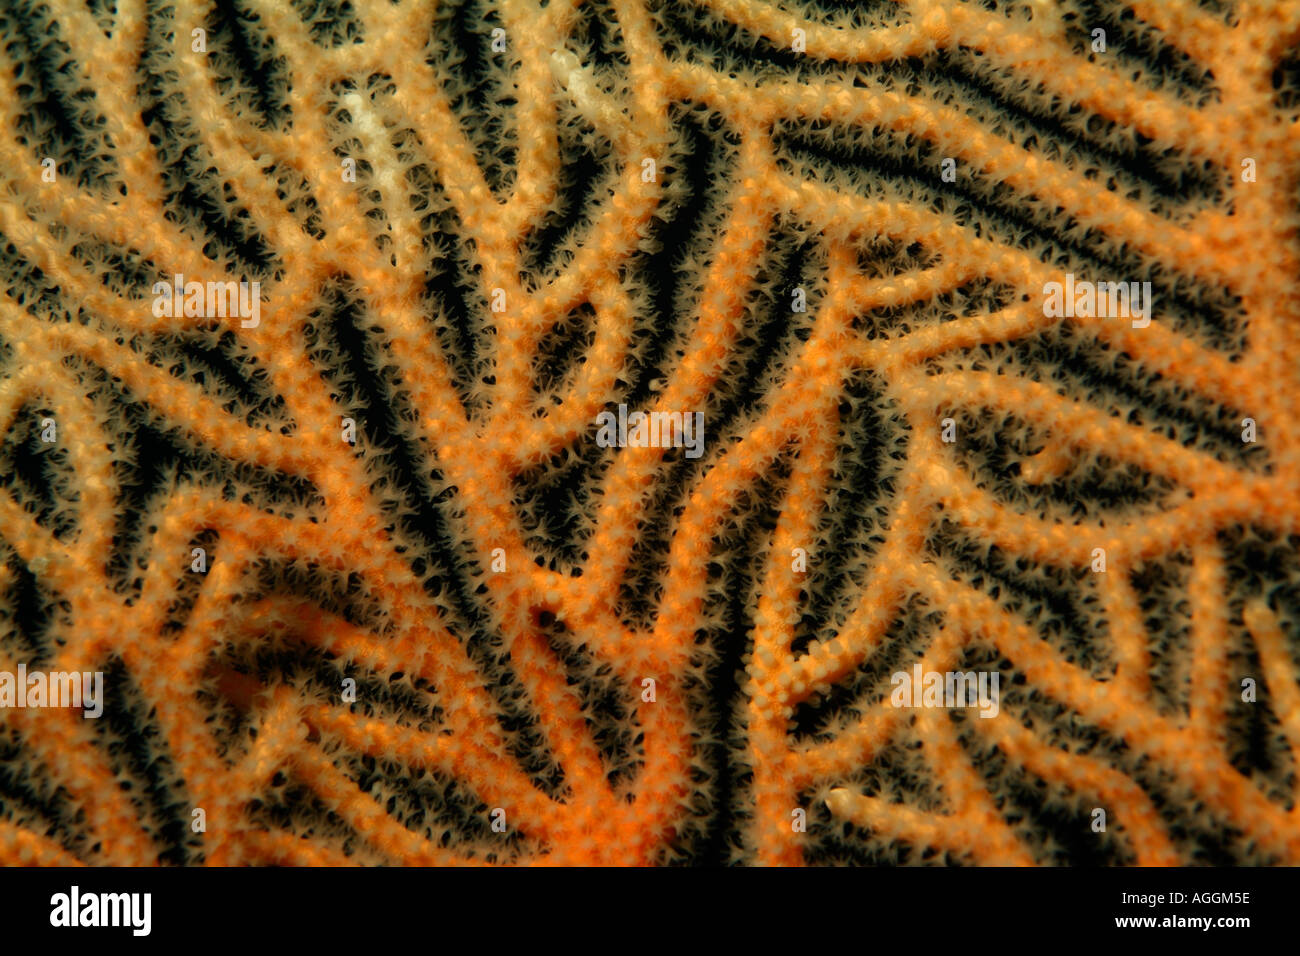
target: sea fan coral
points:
(558, 432)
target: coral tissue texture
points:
(370, 577)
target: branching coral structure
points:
(694, 431)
